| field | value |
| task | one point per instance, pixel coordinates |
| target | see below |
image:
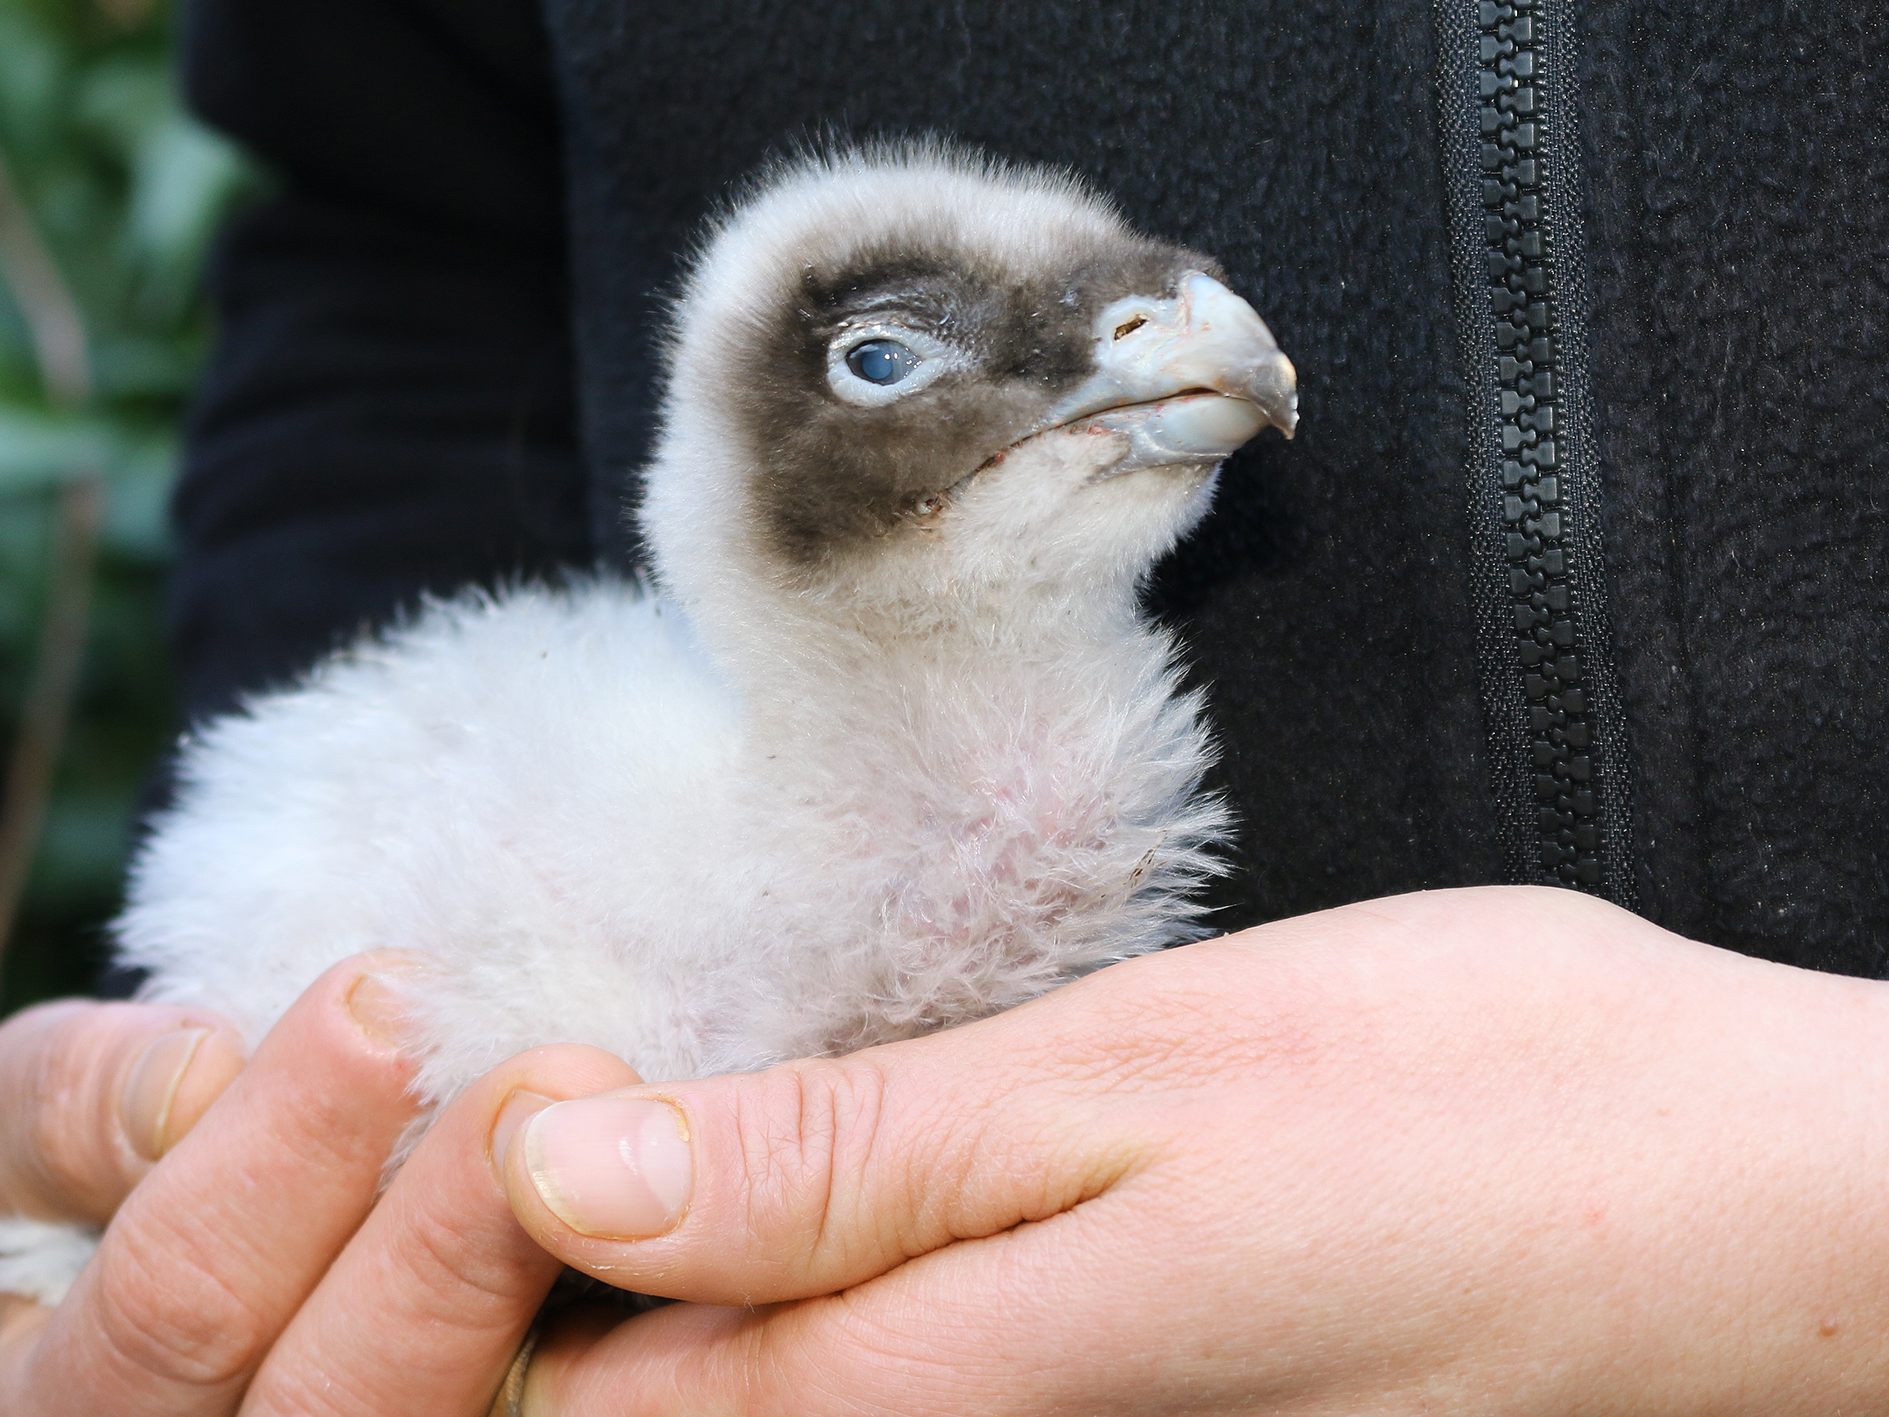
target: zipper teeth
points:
(1519, 265)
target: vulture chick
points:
(888, 746)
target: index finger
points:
(92, 1094)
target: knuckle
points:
(1555, 908)
(164, 1313)
(447, 1274)
(808, 1158)
(65, 1155)
(1472, 918)
(321, 1134)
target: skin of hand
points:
(1494, 1151)
(247, 1264)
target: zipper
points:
(1551, 707)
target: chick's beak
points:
(1188, 378)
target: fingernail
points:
(380, 1011)
(145, 1108)
(616, 1168)
(520, 1106)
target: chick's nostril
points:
(1129, 326)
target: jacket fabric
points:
(1578, 570)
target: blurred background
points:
(109, 196)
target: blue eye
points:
(881, 361)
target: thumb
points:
(812, 1176)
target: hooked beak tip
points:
(1274, 387)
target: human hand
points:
(251, 1267)
(1496, 1151)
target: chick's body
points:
(567, 811)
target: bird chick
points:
(888, 745)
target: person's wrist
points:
(1750, 1274)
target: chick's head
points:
(909, 377)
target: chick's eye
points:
(881, 361)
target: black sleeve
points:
(388, 407)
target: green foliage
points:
(124, 190)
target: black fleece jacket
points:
(1578, 570)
